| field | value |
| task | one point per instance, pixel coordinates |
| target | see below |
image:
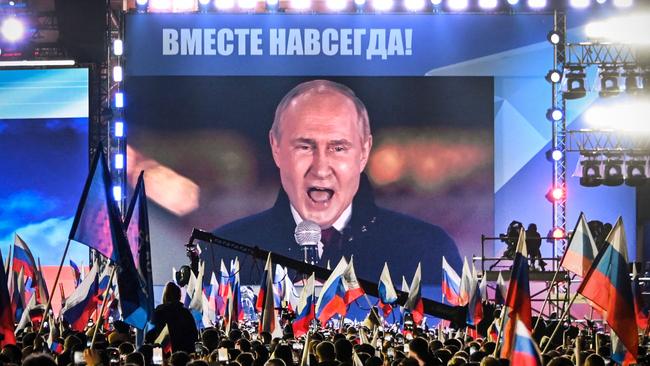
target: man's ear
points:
(365, 152)
(275, 148)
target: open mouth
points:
(320, 195)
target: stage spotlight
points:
(336, 5)
(590, 171)
(631, 80)
(601, 1)
(382, 5)
(554, 155)
(636, 171)
(13, 29)
(436, 2)
(119, 161)
(119, 129)
(247, 4)
(160, 6)
(117, 74)
(556, 194)
(513, 2)
(554, 37)
(613, 175)
(575, 82)
(487, 4)
(536, 4)
(118, 47)
(414, 5)
(300, 4)
(580, 4)
(554, 114)
(609, 81)
(119, 100)
(554, 76)
(117, 193)
(224, 4)
(623, 3)
(558, 233)
(457, 4)
(359, 4)
(141, 5)
(272, 5)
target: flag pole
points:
(56, 282)
(548, 295)
(560, 321)
(100, 320)
(501, 328)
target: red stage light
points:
(556, 194)
(558, 233)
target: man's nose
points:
(320, 166)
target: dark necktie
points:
(331, 239)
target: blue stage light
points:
(119, 100)
(119, 129)
(117, 193)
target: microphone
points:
(307, 235)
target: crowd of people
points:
(351, 344)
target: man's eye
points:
(339, 148)
(304, 147)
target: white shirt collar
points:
(339, 224)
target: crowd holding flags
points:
(608, 285)
(98, 224)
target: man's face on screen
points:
(321, 153)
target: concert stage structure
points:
(480, 115)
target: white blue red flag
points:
(414, 302)
(607, 284)
(387, 293)
(525, 351)
(83, 301)
(305, 310)
(450, 283)
(581, 250)
(332, 295)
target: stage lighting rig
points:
(613, 175)
(554, 37)
(636, 170)
(609, 81)
(631, 79)
(554, 114)
(575, 82)
(554, 76)
(591, 171)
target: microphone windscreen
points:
(307, 233)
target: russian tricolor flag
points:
(465, 284)
(608, 285)
(332, 295)
(224, 289)
(387, 293)
(414, 302)
(23, 258)
(264, 286)
(475, 304)
(517, 306)
(581, 250)
(305, 310)
(268, 319)
(82, 302)
(450, 283)
(525, 351)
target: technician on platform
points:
(321, 140)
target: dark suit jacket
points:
(374, 235)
